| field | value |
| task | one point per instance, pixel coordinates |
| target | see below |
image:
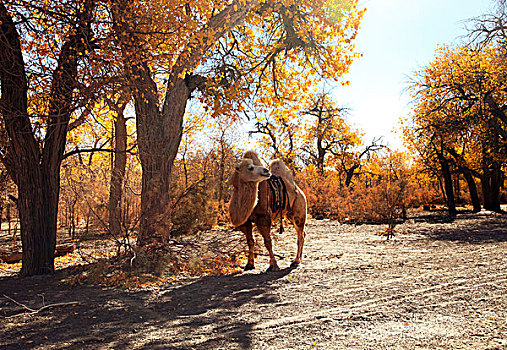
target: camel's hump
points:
(277, 167)
(253, 156)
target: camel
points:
(252, 202)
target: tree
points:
(231, 52)
(279, 135)
(119, 165)
(327, 130)
(330, 142)
(489, 28)
(458, 114)
(391, 180)
(42, 49)
(226, 155)
(350, 161)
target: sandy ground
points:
(435, 285)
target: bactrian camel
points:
(255, 199)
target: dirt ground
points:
(435, 285)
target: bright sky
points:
(396, 38)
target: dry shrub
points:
(327, 198)
(199, 191)
(324, 195)
(196, 212)
(358, 204)
(381, 195)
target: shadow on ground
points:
(201, 312)
(467, 227)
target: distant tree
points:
(458, 114)
(326, 132)
(351, 161)
(280, 135)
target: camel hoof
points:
(294, 264)
(249, 267)
(273, 268)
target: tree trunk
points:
(350, 174)
(472, 188)
(321, 153)
(117, 173)
(159, 136)
(491, 183)
(469, 178)
(491, 179)
(38, 208)
(221, 177)
(448, 185)
(22, 160)
(159, 131)
(457, 189)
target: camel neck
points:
(243, 201)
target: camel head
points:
(247, 171)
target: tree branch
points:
(98, 149)
(35, 311)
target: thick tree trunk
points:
(159, 136)
(448, 186)
(472, 188)
(491, 179)
(22, 159)
(160, 130)
(117, 174)
(491, 183)
(38, 208)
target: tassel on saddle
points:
(279, 197)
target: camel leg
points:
(266, 234)
(299, 225)
(246, 228)
(301, 241)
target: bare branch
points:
(98, 149)
(35, 311)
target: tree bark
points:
(491, 179)
(159, 136)
(469, 178)
(500, 125)
(321, 156)
(118, 172)
(350, 174)
(38, 237)
(38, 206)
(448, 186)
(221, 174)
(472, 188)
(491, 183)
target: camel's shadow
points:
(211, 305)
(214, 292)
